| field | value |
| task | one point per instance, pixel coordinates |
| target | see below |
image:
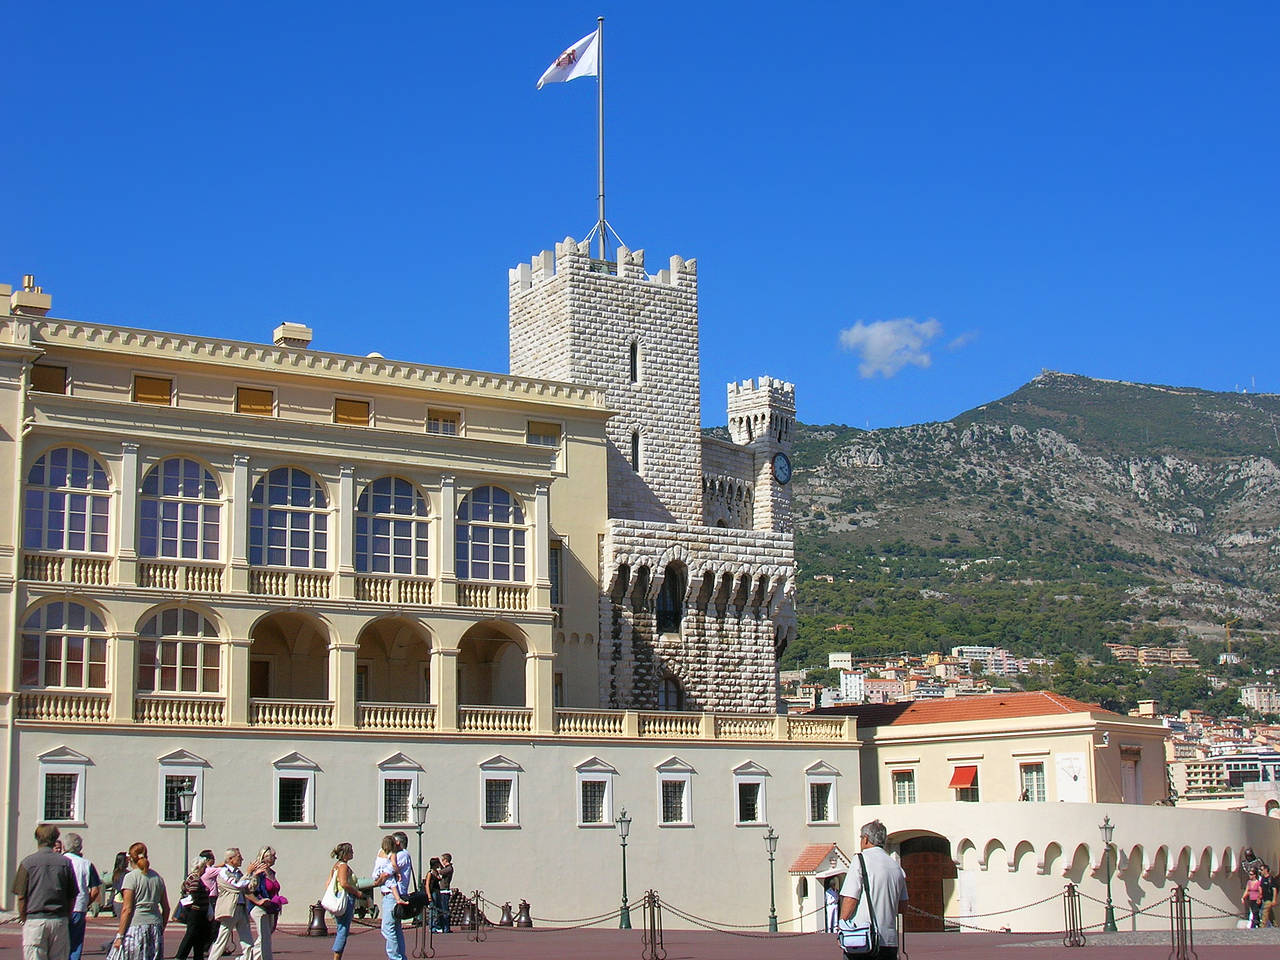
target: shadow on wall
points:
(630, 497)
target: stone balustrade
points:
(171, 710)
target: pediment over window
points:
(183, 758)
(750, 769)
(674, 765)
(398, 761)
(63, 755)
(296, 761)
(501, 763)
(821, 769)
(595, 765)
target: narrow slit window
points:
(635, 362)
(635, 450)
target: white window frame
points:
(459, 422)
(64, 760)
(294, 767)
(596, 770)
(1023, 766)
(676, 770)
(558, 464)
(750, 773)
(822, 773)
(181, 763)
(904, 772)
(500, 768)
(398, 767)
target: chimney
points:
(292, 335)
(30, 300)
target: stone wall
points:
(738, 615)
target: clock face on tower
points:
(782, 468)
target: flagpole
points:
(600, 225)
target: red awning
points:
(963, 777)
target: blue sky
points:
(906, 209)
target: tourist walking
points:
(195, 898)
(264, 900)
(229, 906)
(118, 871)
(386, 874)
(88, 886)
(1253, 898)
(45, 886)
(140, 934)
(341, 875)
(888, 890)
(433, 895)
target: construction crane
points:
(1228, 626)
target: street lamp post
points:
(420, 817)
(1107, 829)
(771, 844)
(186, 804)
(624, 829)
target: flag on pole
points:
(580, 60)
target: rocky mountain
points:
(1156, 508)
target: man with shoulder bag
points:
(229, 909)
(871, 899)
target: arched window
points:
(391, 528)
(670, 694)
(671, 599)
(178, 652)
(288, 521)
(67, 503)
(181, 516)
(635, 361)
(64, 644)
(635, 450)
(490, 541)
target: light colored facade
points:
(312, 586)
(1262, 697)
(853, 686)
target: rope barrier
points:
(568, 924)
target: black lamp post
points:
(1107, 829)
(420, 817)
(771, 844)
(186, 804)
(624, 829)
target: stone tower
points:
(762, 418)
(635, 336)
(697, 565)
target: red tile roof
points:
(811, 858)
(996, 706)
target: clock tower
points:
(762, 417)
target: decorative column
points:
(238, 518)
(444, 686)
(127, 517)
(235, 663)
(344, 532)
(448, 576)
(541, 547)
(124, 677)
(342, 683)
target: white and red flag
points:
(580, 60)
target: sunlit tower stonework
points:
(697, 563)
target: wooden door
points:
(926, 862)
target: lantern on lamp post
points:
(1107, 829)
(771, 844)
(186, 806)
(624, 830)
(420, 807)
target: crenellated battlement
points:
(574, 256)
(762, 410)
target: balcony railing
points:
(589, 723)
(398, 590)
(57, 568)
(495, 719)
(674, 726)
(176, 575)
(168, 711)
(494, 596)
(394, 717)
(62, 707)
(303, 584)
(291, 714)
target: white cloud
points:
(962, 341)
(886, 346)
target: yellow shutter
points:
(260, 403)
(48, 379)
(153, 390)
(353, 412)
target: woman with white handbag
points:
(340, 896)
